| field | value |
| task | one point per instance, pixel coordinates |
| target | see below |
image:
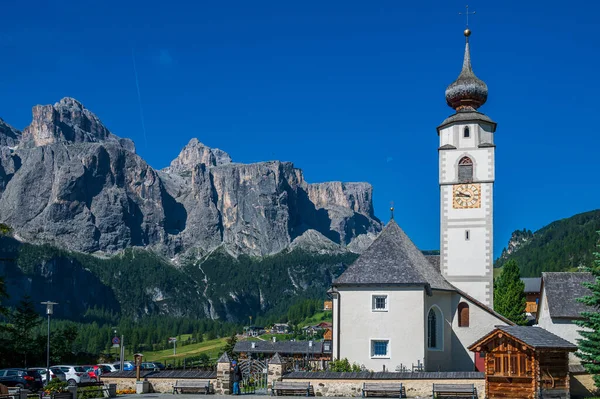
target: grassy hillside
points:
(212, 348)
(564, 245)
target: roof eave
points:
(443, 125)
(335, 285)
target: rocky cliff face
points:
(9, 136)
(68, 121)
(73, 183)
(195, 153)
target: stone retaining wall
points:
(161, 385)
(414, 388)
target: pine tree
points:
(3, 296)
(24, 321)
(589, 345)
(509, 294)
(229, 345)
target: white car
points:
(76, 375)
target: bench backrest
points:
(191, 383)
(374, 386)
(453, 387)
(285, 384)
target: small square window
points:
(380, 302)
(379, 348)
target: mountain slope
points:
(68, 181)
(138, 282)
(563, 245)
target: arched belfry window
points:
(463, 314)
(465, 170)
(466, 132)
(435, 332)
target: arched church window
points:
(434, 328)
(466, 132)
(463, 314)
(465, 170)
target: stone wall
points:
(414, 388)
(162, 385)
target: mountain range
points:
(89, 223)
(68, 181)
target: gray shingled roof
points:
(467, 116)
(562, 291)
(532, 284)
(276, 359)
(393, 259)
(435, 261)
(537, 337)
(281, 347)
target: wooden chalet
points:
(525, 362)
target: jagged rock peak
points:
(9, 136)
(313, 241)
(68, 121)
(195, 153)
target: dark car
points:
(21, 378)
(55, 372)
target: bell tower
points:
(466, 178)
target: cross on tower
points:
(467, 14)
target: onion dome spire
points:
(467, 92)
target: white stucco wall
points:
(402, 325)
(481, 322)
(336, 326)
(467, 263)
(564, 328)
(440, 359)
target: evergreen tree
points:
(589, 345)
(23, 323)
(229, 345)
(3, 297)
(509, 294)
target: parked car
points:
(91, 370)
(128, 366)
(76, 375)
(156, 366)
(112, 368)
(55, 372)
(96, 371)
(21, 378)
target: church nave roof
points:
(393, 259)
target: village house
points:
(559, 309)
(525, 362)
(532, 296)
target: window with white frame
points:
(380, 348)
(380, 303)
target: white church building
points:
(394, 307)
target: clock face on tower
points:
(466, 195)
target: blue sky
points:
(347, 90)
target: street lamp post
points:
(49, 311)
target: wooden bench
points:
(192, 385)
(291, 388)
(371, 389)
(454, 390)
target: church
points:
(394, 307)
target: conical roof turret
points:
(467, 92)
